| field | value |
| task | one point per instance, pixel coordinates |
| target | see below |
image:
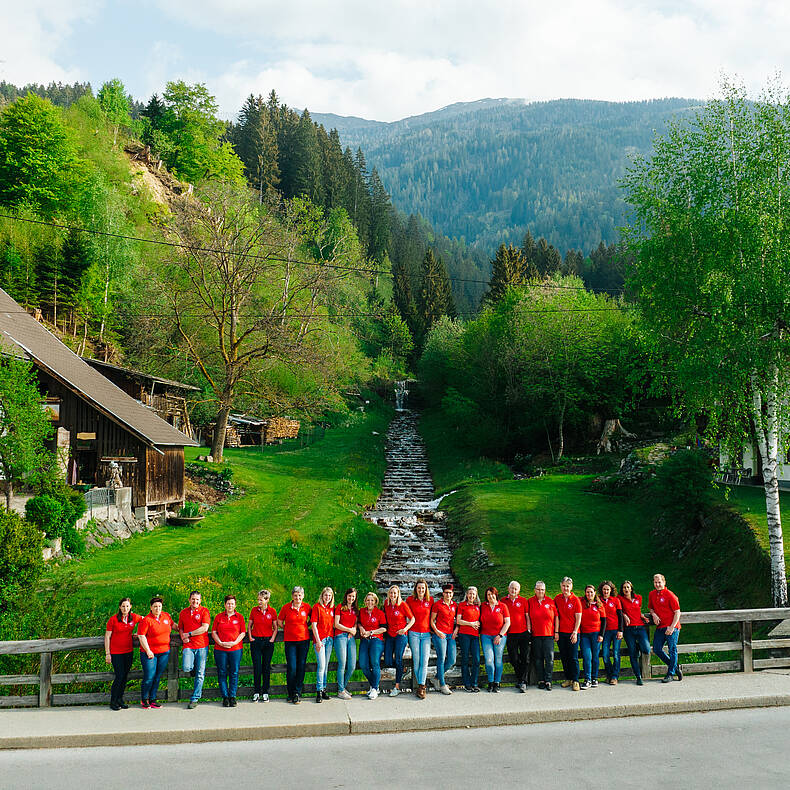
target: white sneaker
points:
(445, 689)
(435, 684)
(264, 697)
(256, 697)
(343, 694)
(394, 691)
(373, 693)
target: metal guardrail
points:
(98, 498)
(745, 646)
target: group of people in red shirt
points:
(529, 628)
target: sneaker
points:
(232, 702)
(394, 691)
(541, 684)
(123, 706)
(667, 678)
(470, 689)
(522, 687)
(324, 695)
(435, 683)
(114, 706)
(225, 702)
(547, 687)
(495, 688)
(373, 693)
(594, 683)
(575, 685)
(343, 694)
(256, 697)
(566, 684)
(296, 699)
(640, 682)
(490, 687)
(445, 689)
(144, 703)
(318, 697)
(613, 682)
(192, 672)
(264, 697)
(154, 704)
(476, 689)
(680, 673)
(192, 704)
(584, 686)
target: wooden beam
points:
(45, 681)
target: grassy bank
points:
(750, 501)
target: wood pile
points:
(275, 429)
(232, 437)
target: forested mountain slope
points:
(489, 170)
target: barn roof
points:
(140, 376)
(22, 335)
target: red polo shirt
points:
(445, 615)
(157, 632)
(492, 618)
(397, 617)
(632, 609)
(567, 611)
(371, 620)
(348, 618)
(262, 621)
(611, 606)
(471, 613)
(121, 633)
(295, 622)
(541, 616)
(190, 620)
(518, 613)
(664, 603)
(591, 618)
(228, 628)
(324, 619)
(422, 614)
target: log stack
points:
(275, 429)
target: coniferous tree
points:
(379, 228)
(508, 269)
(436, 296)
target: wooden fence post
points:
(645, 666)
(172, 675)
(45, 681)
(747, 661)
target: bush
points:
(73, 542)
(21, 563)
(46, 513)
(189, 510)
(684, 483)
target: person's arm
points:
(675, 620)
(620, 623)
(107, 655)
(239, 638)
(502, 630)
(576, 627)
(316, 639)
(144, 645)
(556, 627)
(275, 629)
(409, 623)
(218, 642)
(602, 629)
(438, 633)
(528, 621)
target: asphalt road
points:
(728, 749)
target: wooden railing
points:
(745, 661)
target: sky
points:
(390, 59)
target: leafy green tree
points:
(115, 106)
(24, 425)
(710, 236)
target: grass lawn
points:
(750, 501)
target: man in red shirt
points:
(518, 639)
(193, 625)
(665, 611)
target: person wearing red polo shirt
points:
(153, 634)
(610, 649)
(542, 623)
(420, 604)
(518, 640)
(569, 613)
(193, 625)
(399, 621)
(468, 621)
(665, 611)
(262, 630)
(321, 621)
(494, 623)
(228, 633)
(345, 641)
(591, 634)
(444, 629)
(119, 650)
(293, 619)
(372, 627)
(635, 628)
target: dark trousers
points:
(295, 660)
(543, 657)
(121, 664)
(470, 659)
(569, 655)
(261, 650)
(636, 638)
(518, 651)
(393, 654)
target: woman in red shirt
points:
(154, 636)
(635, 628)
(228, 633)
(345, 641)
(445, 631)
(321, 621)
(372, 627)
(610, 649)
(420, 634)
(591, 634)
(468, 621)
(119, 651)
(399, 620)
(542, 624)
(263, 633)
(293, 619)
(494, 622)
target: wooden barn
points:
(95, 421)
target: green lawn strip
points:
(750, 501)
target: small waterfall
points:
(401, 393)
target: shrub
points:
(189, 510)
(46, 513)
(684, 483)
(21, 563)
(73, 541)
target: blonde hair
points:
(331, 593)
(476, 598)
(399, 601)
(375, 598)
(427, 590)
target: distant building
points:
(96, 421)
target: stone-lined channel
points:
(408, 509)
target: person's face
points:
(194, 600)
(659, 583)
(490, 597)
(326, 597)
(513, 589)
(350, 598)
(297, 596)
(263, 600)
(589, 593)
(230, 606)
(125, 608)
(471, 594)
(566, 588)
(421, 590)
(627, 589)
(540, 591)
(156, 608)
(447, 595)
(606, 591)
(370, 602)
(392, 595)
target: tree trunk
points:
(9, 492)
(220, 429)
(561, 437)
(767, 431)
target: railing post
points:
(172, 675)
(747, 662)
(45, 681)
(645, 666)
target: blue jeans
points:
(393, 654)
(420, 644)
(610, 650)
(195, 658)
(322, 661)
(152, 671)
(295, 660)
(590, 651)
(636, 641)
(660, 639)
(445, 656)
(346, 650)
(470, 659)
(370, 651)
(492, 655)
(228, 662)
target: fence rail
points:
(745, 661)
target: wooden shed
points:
(95, 421)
